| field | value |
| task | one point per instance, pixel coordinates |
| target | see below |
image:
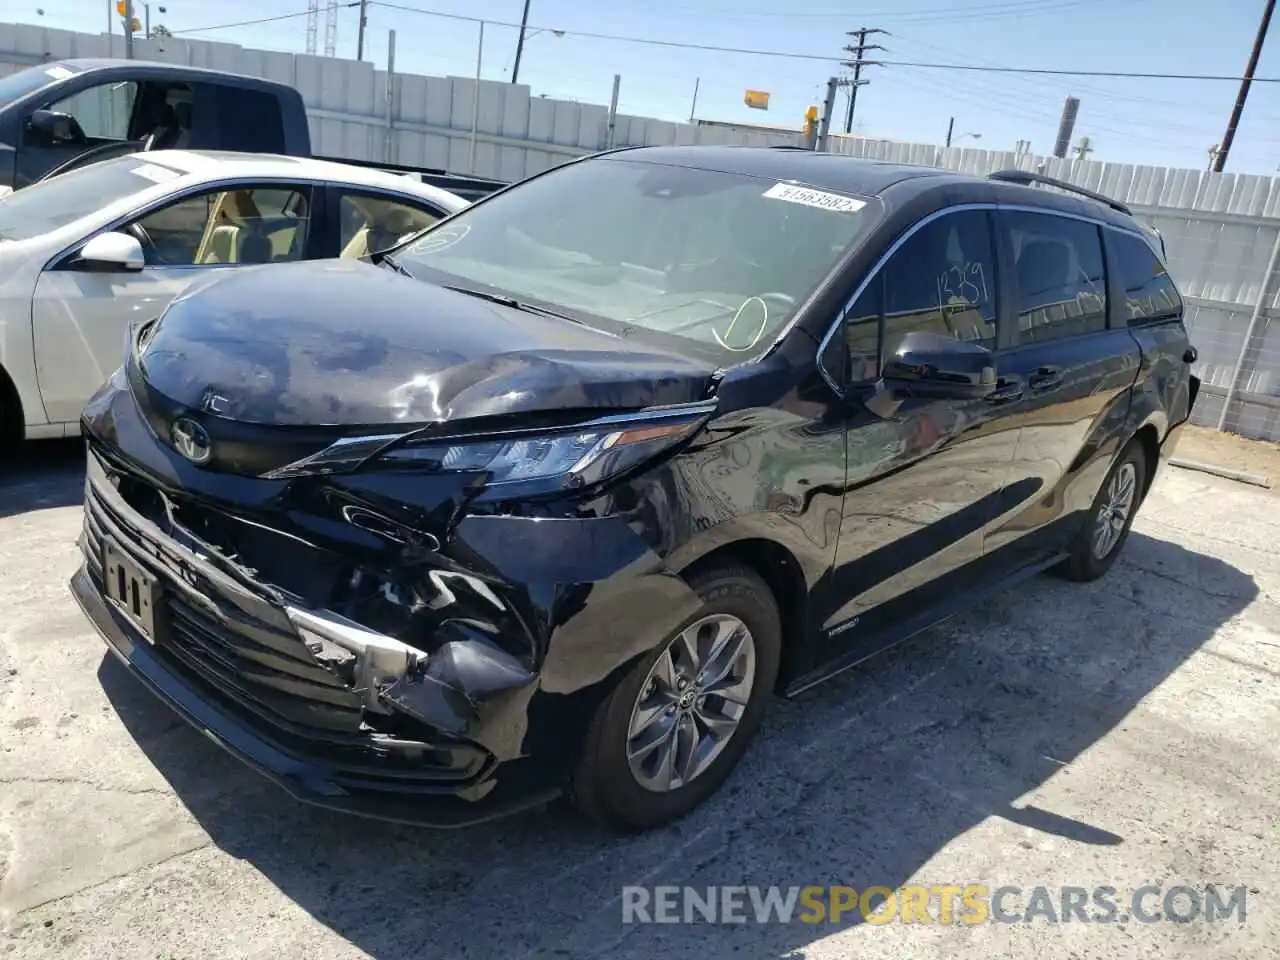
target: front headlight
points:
(515, 462)
(545, 462)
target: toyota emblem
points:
(191, 440)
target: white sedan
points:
(85, 254)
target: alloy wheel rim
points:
(1113, 512)
(691, 703)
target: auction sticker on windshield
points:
(814, 198)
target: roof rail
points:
(1027, 178)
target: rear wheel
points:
(672, 731)
(1106, 529)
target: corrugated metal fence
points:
(1222, 230)
(364, 113)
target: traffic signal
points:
(122, 8)
(811, 121)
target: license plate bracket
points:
(132, 590)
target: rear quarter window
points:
(248, 120)
(1150, 295)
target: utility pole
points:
(1245, 83)
(524, 25)
(125, 8)
(364, 19)
(828, 108)
(857, 63)
(951, 125)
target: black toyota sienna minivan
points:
(554, 497)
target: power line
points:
(948, 13)
(1045, 71)
(784, 54)
(247, 23)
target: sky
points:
(1157, 122)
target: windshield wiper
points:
(504, 300)
(395, 265)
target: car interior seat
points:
(1044, 280)
(182, 122)
(255, 247)
(164, 132)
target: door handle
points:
(1007, 389)
(1046, 378)
(1190, 355)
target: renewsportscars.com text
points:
(933, 904)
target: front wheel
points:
(1106, 528)
(672, 731)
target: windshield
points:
(19, 84)
(715, 258)
(54, 203)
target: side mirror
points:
(933, 365)
(111, 252)
(55, 126)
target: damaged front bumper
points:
(339, 715)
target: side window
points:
(248, 225)
(103, 111)
(1062, 284)
(1150, 294)
(248, 120)
(369, 224)
(942, 279)
(862, 333)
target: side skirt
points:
(906, 629)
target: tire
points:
(1084, 563)
(604, 785)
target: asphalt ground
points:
(1123, 734)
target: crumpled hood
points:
(346, 343)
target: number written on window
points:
(941, 280)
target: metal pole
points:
(111, 35)
(128, 31)
(613, 109)
(1247, 81)
(828, 105)
(951, 125)
(1248, 333)
(147, 8)
(693, 107)
(524, 24)
(475, 100)
(364, 10)
(389, 143)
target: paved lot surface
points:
(1122, 734)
